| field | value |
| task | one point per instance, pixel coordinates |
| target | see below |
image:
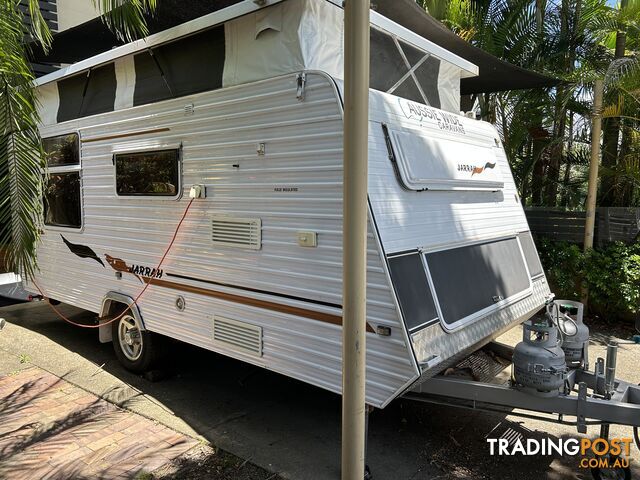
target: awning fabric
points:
(94, 37)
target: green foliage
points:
(126, 17)
(611, 273)
(21, 154)
(546, 132)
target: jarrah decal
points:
(120, 265)
(475, 170)
(479, 170)
(146, 272)
(445, 121)
(138, 271)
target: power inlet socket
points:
(198, 191)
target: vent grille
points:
(240, 335)
(236, 232)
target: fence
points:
(613, 224)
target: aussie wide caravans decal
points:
(445, 121)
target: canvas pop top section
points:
(245, 43)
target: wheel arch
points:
(110, 308)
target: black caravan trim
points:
(531, 254)
(412, 289)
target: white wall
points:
(74, 12)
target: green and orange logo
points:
(473, 169)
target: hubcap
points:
(130, 338)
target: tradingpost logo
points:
(597, 453)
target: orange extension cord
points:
(135, 302)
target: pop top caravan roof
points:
(244, 43)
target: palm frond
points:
(126, 18)
(21, 155)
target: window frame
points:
(77, 168)
(156, 148)
(410, 74)
(474, 317)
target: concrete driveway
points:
(283, 425)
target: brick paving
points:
(50, 429)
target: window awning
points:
(93, 37)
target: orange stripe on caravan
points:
(276, 307)
(123, 135)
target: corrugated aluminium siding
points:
(296, 185)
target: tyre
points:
(137, 350)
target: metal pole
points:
(592, 189)
(354, 231)
(610, 368)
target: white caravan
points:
(245, 104)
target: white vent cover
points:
(240, 335)
(236, 232)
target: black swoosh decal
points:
(82, 251)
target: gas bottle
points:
(574, 334)
(538, 361)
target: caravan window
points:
(403, 70)
(62, 201)
(61, 150)
(154, 173)
(473, 280)
(433, 163)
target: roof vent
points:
(236, 232)
(239, 335)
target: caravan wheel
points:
(137, 350)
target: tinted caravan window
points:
(412, 288)
(475, 277)
(189, 65)
(153, 173)
(62, 150)
(62, 200)
(530, 254)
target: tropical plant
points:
(611, 273)
(546, 132)
(21, 154)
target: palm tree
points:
(21, 153)
(545, 131)
(623, 40)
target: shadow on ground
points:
(288, 426)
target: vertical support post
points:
(610, 368)
(592, 189)
(354, 235)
